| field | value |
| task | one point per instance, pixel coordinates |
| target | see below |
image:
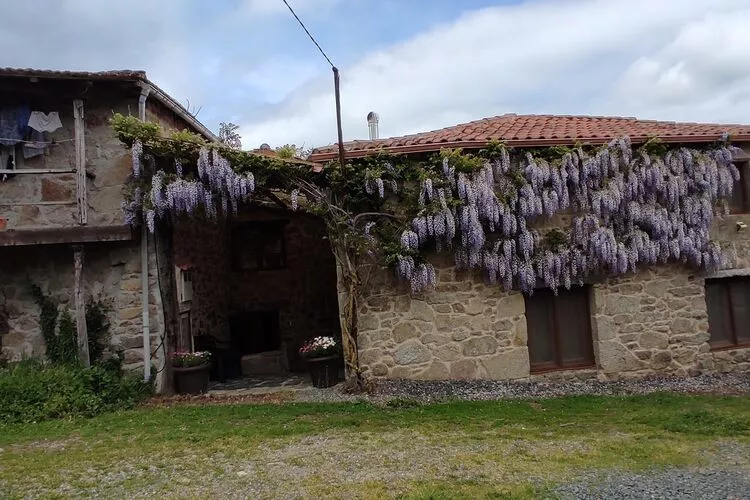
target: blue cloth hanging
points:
(13, 124)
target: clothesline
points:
(36, 142)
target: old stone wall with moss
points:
(111, 271)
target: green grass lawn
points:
(488, 449)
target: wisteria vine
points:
(627, 207)
(217, 189)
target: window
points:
(259, 246)
(728, 303)
(10, 159)
(738, 204)
(184, 284)
(559, 329)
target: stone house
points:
(664, 319)
(61, 223)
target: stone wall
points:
(107, 161)
(462, 330)
(111, 271)
(655, 321)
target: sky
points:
(420, 64)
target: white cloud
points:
(247, 61)
(667, 59)
(702, 73)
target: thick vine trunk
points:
(164, 245)
(348, 295)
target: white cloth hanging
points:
(45, 122)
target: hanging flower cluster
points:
(217, 189)
(629, 207)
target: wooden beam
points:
(35, 203)
(80, 142)
(80, 304)
(58, 235)
(37, 171)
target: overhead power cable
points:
(308, 32)
(336, 85)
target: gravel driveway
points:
(674, 484)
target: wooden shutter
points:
(540, 327)
(574, 328)
(719, 318)
(739, 296)
(559, 329)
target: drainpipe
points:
(144, 264)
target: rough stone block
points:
(464, 369)
(615, 357)
(682, 325)
(420, 310)
(370, 356)
(503, 325)
(479, 346)
(436, 371)
(379, 370)
(129, 313)
(661, 360)
(404, 331)
(508, 365)
(511, 305)
(411, 352)
(447, 352)
(459, 335)
(367, 322)
(653, 340)
(434, 339)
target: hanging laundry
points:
(45, 122)
(36, 146)
(13, 123)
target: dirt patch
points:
(217, 399)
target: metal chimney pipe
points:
(372, 124)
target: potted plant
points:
(322, 354)
(191, 371)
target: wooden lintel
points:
(36, 203)
(38, 171)
(59, 235)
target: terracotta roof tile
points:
(538, 130)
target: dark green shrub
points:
(59, 329)
(97, 327)
(31, 391)
(66, 351)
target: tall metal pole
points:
(342, 158)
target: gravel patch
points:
(727, 383)
(672, 484)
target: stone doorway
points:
(263, 282)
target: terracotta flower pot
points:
(191, 379)
(3, 223)
(324, 372)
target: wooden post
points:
(80, 144)
(80, 304)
